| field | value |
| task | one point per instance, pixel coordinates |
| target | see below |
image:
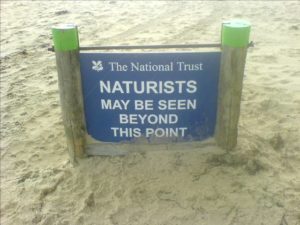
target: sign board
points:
(109, 99)
(158, 96)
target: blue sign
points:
(157, 96)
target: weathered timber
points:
(71, 98)
(235, 40)
(230, 92)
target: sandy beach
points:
(258, 183)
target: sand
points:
(258, 183)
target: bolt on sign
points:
(112, 100)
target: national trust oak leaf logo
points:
(97, 66)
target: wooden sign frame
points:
(234, 45)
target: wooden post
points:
(66, 45)
(235, 39)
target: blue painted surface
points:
(203, 88)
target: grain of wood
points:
(230, 93)
(68, 69)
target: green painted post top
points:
(235, 33)
(65, 37)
